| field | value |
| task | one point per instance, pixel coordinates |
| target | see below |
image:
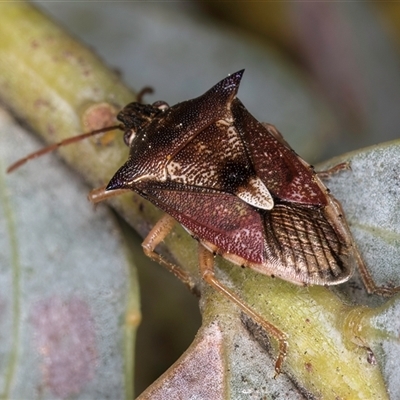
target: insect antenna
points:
(55, 146)
(143, 92)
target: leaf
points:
(68, 296)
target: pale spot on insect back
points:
(174, 170)
(256, 194)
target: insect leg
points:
(366, 277)
(100, 194)
(160, 230)
(369, 283)
(206, 262)
(333, 170)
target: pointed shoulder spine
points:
(228, 87)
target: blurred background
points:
(326, 74)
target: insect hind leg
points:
(369, 283)
(368, 280)
(206, 263)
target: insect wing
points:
(285, 174)
(227, 223)
(303, 246)
(294, 242)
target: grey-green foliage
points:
(67, 284)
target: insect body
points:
(233, 183)
(239, 189)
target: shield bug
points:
(239, 189)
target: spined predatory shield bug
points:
(238, 188)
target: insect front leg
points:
(100, 194)
(206, 264)
(159, 232)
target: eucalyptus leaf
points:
(68, 296)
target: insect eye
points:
(161, 105)
(129, 135)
